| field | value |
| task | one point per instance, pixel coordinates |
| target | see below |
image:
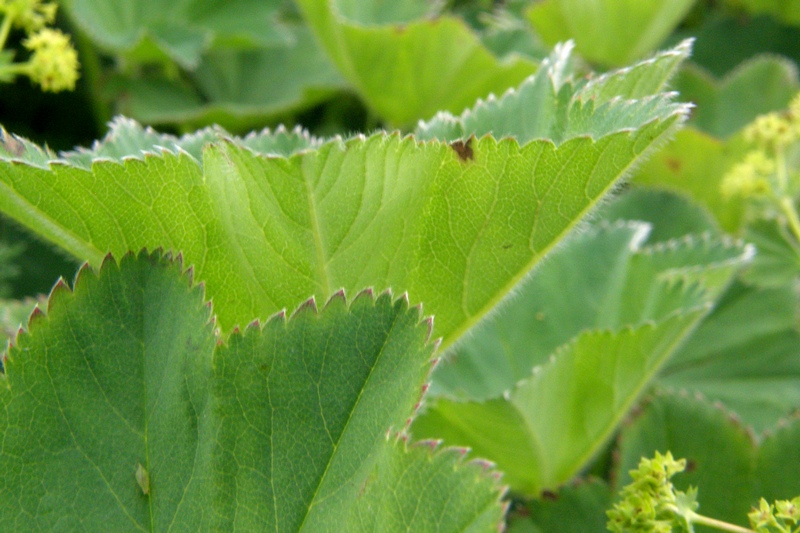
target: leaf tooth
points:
(255, 324)
(337, 298)
(309, 305)
(280, 316)
(59, 291)
(36, 316)
(431, 444)
(368, 294)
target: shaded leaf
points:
(745, 354)
(238, 89)
(599, 318)
(670, 215)
(548, 427)
(787, 11)
(777, 262)
(724, 41)
(575, 508)
(614, 280)
(182, 29)
(755, 87)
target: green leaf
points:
(408, 68)
(787, 11)
(551, 105)
(127, 139)
(575, 508)
(755, 87)
(548, 427)
(745, 354)
(597, 346)
(777, 262)
(670, 215)
(729, 470)
(182, 30)
(609, 32)
(265, 232)
(719, 452)
(724, 42)
(238, 89)
(614, 281)
(694, 164)
(123, 396)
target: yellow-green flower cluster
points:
(29, 15)
(53, 63)
(749, 178)
(650, 503)
(781, 517)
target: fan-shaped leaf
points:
(455, 226)
(121, 410)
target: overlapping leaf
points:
(670, 215)
(121, 410)
(608, 313)
(552, 105)
(405, 67)
(454, 225)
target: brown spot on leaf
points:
(673, 164)
(463, 149)
(549, 495)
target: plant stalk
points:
(717, 524)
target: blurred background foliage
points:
(344, 66)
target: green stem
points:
(717, 524)
(787, 207)
(5, 29)
(15, 69)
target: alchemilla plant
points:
(551, 254)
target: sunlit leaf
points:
(609, 32)
(407, 68)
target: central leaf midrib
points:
(322, 263)
(381, 350)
